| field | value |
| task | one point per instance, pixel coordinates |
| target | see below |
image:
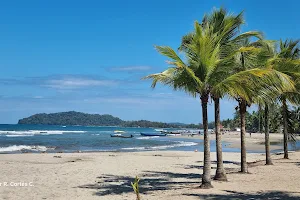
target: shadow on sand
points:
(296, 163)
(271, 195)
(150, 181)
(212, 162)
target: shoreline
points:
(230, 140)
(255, 142)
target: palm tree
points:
(247, 57)
(288, 62)
(267, 51)
(226, 27)
(203, 74)
(202, 55)
(267, 140)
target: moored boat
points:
(121, 136)
(43, 132)
(173, 133)
(153, 134)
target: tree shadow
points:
(230, 169)
(174, 175)
(270, 195)
(227, 162)
(224, 162)
(282, 160)
(149, 181)
(193, 166)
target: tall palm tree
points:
(203, 74)
(266, 58)
(267, 137)
(248, 57)
(202, 55)
(267, 51)
(226, 27)
(287, 61)
(245, 59)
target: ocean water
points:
(39, 138)
(46, 138)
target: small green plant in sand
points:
(135, 186)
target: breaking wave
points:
(147, 137)
(35, 132)
(22, 147)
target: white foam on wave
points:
(19, 135)
(22, 147)
(135, 148)
(37, 132)
(180, 144)
(147, 137)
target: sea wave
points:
(22, 147)
(36, 132)
(179, 144)
(19, 135)
(147, 137)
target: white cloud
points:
(76, 83)
(132, 68)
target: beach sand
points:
(168, 175)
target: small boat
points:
(117, 131)
(153, 134)
(173, 133)
(43, 132)
(121, 136)
(64, 126)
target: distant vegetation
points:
(255, 122)
(84, 119)
(72, 118)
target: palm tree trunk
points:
(285, 128)
(206, 179)
(243, 109)
(267, 139)
(259, 119)
(220, 173)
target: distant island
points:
(84, 119)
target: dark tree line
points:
(255, 120)
(78, 118)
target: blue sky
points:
(89, 56)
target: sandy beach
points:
(164, 175)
